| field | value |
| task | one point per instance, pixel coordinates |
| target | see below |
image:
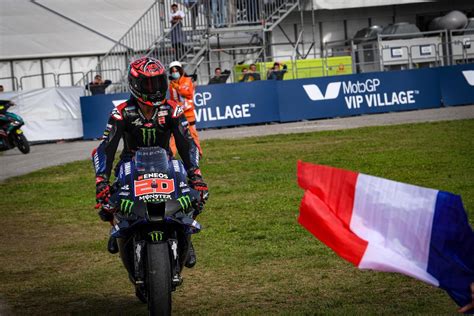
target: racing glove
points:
(195, 180)
(102, 191)
(198, 204)
(197, 183)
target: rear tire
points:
(159, 279)
(22, 143)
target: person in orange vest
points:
(181, 89)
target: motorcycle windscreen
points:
(151, 159)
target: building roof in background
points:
(28, 30)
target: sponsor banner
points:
(236, 104)
(292, 100)
(359, 94)
(96, 111)
(457, 84)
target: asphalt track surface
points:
(14, 163)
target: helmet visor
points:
(151, 85)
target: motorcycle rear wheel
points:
(159, 279)
(22, 143)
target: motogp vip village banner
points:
(359, 94)
(457, 84)
(236, 104)
(293, 100)
(215, 106)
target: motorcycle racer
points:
(146, 119)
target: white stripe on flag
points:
(396, 219)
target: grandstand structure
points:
(312, 37)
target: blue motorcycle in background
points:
(154, 219)
(11, 134)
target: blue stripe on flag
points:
(451, 258)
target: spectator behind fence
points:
(276, 73)
(252, 74)
(177, 36)
(244, 71)
(98, 86)
(219, 76)
(193, 6)
(253, 11)
(219, 12)
(1, 88)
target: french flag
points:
(385, 225)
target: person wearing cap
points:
(276, 73)
(181, 89)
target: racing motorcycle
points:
(11, 134)
(153, 222)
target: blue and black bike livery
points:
(11, 134)
(153, 224)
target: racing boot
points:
(191, 257)
(112, 245)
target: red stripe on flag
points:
(322, 222)
(334, 187)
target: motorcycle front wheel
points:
(22, 143)
(159, 279)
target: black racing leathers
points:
(127, 122)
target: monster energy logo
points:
(185, 202)
(149, 136)
(156, 235)
(126, 206)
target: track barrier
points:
(261, 102)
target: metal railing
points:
(461, 45)
(41, 76)
(68, 74)
(188, 40)
(14, 83)
(135, 42)
(194, 39)
(236, 13)
(405, 51)
(184, 40)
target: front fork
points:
(138, 262)
(139, 254)
(176, 278)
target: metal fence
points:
(188, 40)
(406, 51)
(194, 42)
